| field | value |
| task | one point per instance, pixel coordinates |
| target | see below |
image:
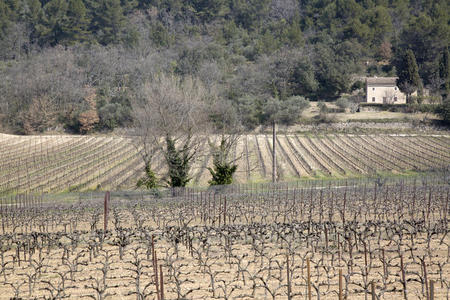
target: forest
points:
(77, 65)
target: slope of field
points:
(63, 163)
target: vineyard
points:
(372, 239)
(77, 163)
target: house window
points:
(384, 99)
(395, 99)
(373, 89)
(373, 99)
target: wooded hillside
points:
(78, 63)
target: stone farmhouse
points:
(384, 90)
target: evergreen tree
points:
(128, 6)
(408, 74)
(427, 38)
(4, 18)
(160, 35)
(75, 23)
(52, 22)
(208, 10)
(334, 68)
(292, 35)
(444, 110)
(110, 21)
(13, 9)
(444, 73)
(379, 24)
(149, 180)
(222, 173)
(33, 18)
(178, 162)
(250, 13)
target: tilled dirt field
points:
(246, 246)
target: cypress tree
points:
(444, 73)
(408, 74)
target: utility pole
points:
(274, 158)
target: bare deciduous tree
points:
(228, 128)
(170, 115)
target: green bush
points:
(285, 112)
(249, 109)
(149, 180)
(222, 173)
(113, 115)
(323, 108)
(425, 108)
(443, 110)
(342, 103)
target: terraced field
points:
(61, 163)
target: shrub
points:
(249, 110)
(323, 108)
(342, 103)
(222, 173)
(113, 115)
(443, 110)
(149, 180)
(285, 112)
(357, 85)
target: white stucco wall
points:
(384, 94)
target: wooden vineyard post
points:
(220, 208)
(426, 278)
(225, 211)
(274, 158)
(372, 290)
(155, 270)
(308, 270)
(340, 284)
(106, 211)
(403, 278)
(162, 282)
(153, 249)
(431, 290)
(288, 278)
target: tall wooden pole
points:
(308, 273)
(431, 290)
(106, 211)
(274, 158)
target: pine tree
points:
(51, 29)
(75, 23)
(34, 17)
(110, 21)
